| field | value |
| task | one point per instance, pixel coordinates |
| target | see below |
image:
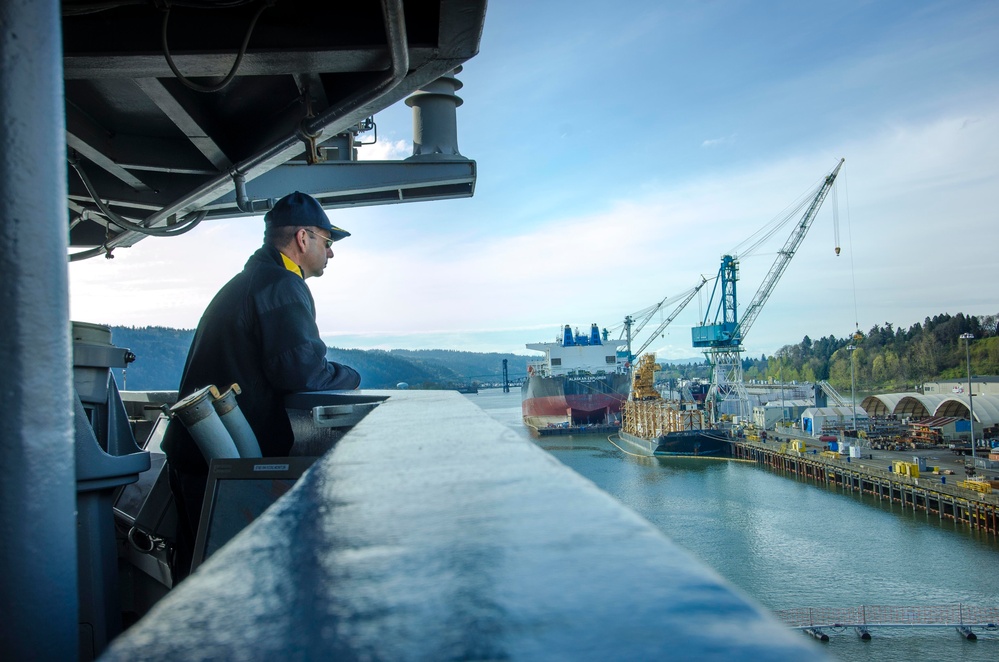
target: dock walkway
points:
(963, 618)
(958, 615)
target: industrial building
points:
(987, 385)
(916, 406)
(768, 416)
(817, 420)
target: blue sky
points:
(622, 148)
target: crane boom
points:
(672, 316)
(648, 316)
(785, 255)
(722, 337)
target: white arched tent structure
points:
(916, 405)
(881, 405)
(986, 408)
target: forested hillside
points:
(886, 359)
(161, 353)
(889, 359)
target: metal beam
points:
(312, 84)
(97, 157)
(93, 143)
(369, 87)
(356, 183)
(184, 121)
(336, 184)
(137, 152)
(330, 61)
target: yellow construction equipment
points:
(977, 484)
(643, 385)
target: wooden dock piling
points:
(975, 509)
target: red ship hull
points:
(588, 399)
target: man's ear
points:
(300, 239)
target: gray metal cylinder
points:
(435, 120)
(201, 420)
(38, 592)
(232, 418)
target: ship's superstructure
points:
(581, 380)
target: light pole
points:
(968, 337)
(780, 376)
(853, 388)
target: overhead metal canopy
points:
(150, 146)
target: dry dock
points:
(947, 500)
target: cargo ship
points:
(578, 386)
(652, 425)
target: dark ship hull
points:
(696, 443)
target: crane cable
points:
(648, 312)
(849, 240)
(761, 236)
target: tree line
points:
(885, 359)
(889, 359)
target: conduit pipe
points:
(198, 415)
(235, 423)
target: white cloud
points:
(385, 150)
(912, 201)
(715, 142)
(916, 210)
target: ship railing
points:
(423, 534)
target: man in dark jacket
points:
(259, 332)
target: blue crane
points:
(721, 333)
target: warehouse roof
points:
(916, 405)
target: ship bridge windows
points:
(556, 361)
(610, 360)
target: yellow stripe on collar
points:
(291, 266)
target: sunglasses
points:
(327, 240)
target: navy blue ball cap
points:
(296, 209)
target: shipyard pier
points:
(897, 481)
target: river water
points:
(793, 543)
